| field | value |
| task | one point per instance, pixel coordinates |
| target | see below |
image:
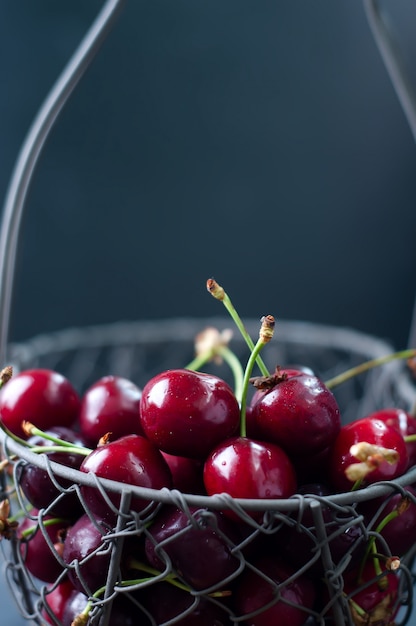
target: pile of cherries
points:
(186, 432)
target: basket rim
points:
(217, 501)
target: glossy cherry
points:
(403, 422)
(132, 460)
(178, 536)
(186, 473)
(41, 549)
(299, 413)
(41, 396)
(85, 538)
(394, 517)
(245, 468)
(36, 483)
(111, 404)
(371, 431)
(188, 413)
(56, 599)
(372, 600)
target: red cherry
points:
(372, 601)
(245, 468)
(111, 404)
(371, 431)
(186, 473)
(131, 460)
(401, 421)
(41, 396)
(41, 560)
(56, 599)
(181, 535)
(187, 413)
(299, 413)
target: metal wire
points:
(30, 153)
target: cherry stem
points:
(219, 294)
(229, 357)
(170, 578)
(48, 522)
(266, 333)
(368, 365)
(371, 546)
(5, 375)
(82, 618)
(60, 445)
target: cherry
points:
(132, 460)
(372, 600)
(111, 404)
(186, 473)
(403, 422)
(56, 598)
(257, 587)
(187, 413)
(86, 554)
(36, 483)
(181, 536)
(246, 468)
(41, 556)
(395, 520)
(299, 413)
(41, 396)
(374, 467)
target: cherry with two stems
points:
(246, 468)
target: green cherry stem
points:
(229, 357)
(59, 445)
(369, 365)
(265, 335)
(219, 294)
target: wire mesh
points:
(149, 577)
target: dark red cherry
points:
(38, 486)
(187, 413)
(372, 600)
(403, 422)
(394, 517)
(110, 405)
(370, 431)
(41, 548)
(299, 413)
(41, 396)
(132, 460)
(186, 473)
(177, 536)
(86, 554)
(245, 468)
(56, 599)
(257, 588)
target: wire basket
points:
(299, 550)
(140, 350)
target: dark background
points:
(257, 142)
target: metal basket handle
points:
(403, 87)
(30, 152)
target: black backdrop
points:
(257, 142)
